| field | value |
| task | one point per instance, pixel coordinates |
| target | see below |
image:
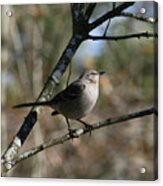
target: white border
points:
(58, 182)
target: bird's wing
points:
(73, 91)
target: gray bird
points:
(77, 100)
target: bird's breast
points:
(91, 95)
(82, 105)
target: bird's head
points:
(92, 76)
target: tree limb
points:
(79, 34)
(78, 132)
(89, 10)
(46, 94)
(122, 37)
(106, 28)
(110, 14)
(137, 17)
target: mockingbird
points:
(77, 100)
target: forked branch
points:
(110, 14)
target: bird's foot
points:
(89, 128)
(71, 133)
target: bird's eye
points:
(94, 73)
(88, 75)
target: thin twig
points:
(129, 36)
(75, 133)
(107, 26)
(138, 17)
(109, 21)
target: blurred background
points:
(33, 39)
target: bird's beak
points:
(101, 73)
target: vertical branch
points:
(107, 26)
(20, 61)
(31, 118)
(48, 89)
(89, 10)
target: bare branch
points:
(107, 26)
(45, 94)
(81, 131)
(79, 34)
(137, 17)
(122, 37)
(89, 10)
(77, 11)
(110, 14)
(80, 24)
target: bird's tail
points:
(43, 103)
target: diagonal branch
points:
(81, 131)
(122, 37)
(109, 15)
(137, 17)
(46, 94)
(107, 26)
(89, 10)
(79, 34)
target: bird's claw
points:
(89, 128)
(71, 133)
